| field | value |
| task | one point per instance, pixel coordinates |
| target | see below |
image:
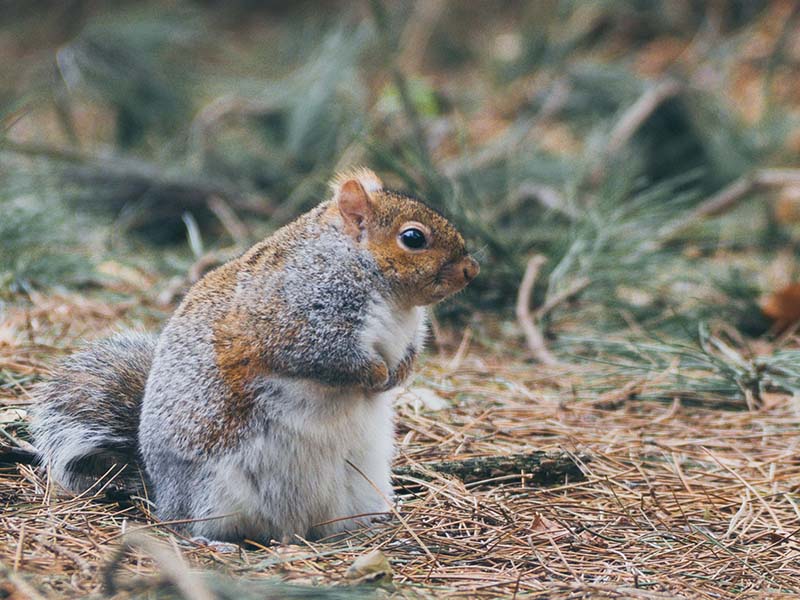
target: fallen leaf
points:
(542, 524)
(783, 306)
(372, 567)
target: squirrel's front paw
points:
(400, 374)
(378, 376)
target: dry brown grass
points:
(677, 501)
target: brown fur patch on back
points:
(237, 359)
(212, 291)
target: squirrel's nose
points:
(470, 268)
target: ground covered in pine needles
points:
(672, 500)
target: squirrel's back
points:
(87, 415)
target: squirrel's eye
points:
(413, 239)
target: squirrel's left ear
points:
(351, 193)
(354, 206)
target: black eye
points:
(413, 239)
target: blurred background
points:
(646, 150)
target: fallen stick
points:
(230, 220)
(728, 197)
(538, 467)
(533, 336)
(638, 112)
(558, 299)
(633, 118)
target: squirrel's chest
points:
(390, 332)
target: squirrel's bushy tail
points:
(86, 417)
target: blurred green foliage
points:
(504, 115)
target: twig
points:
(229, 219)
(556, 300)
(461, 352)
(20, 546)
(633, 118)
(177, 285)
(539, 466)
(728, 197)
(534, 337)
(73, 556)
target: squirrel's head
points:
(419, 251)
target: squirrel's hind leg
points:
(204, 500)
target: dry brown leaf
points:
(783, 306)
(372, 567)
(548, 527)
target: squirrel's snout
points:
(469, 268)
(455, 276)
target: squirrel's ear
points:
(354, 205)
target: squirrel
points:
(260, 410)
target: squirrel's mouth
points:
(455, 276)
